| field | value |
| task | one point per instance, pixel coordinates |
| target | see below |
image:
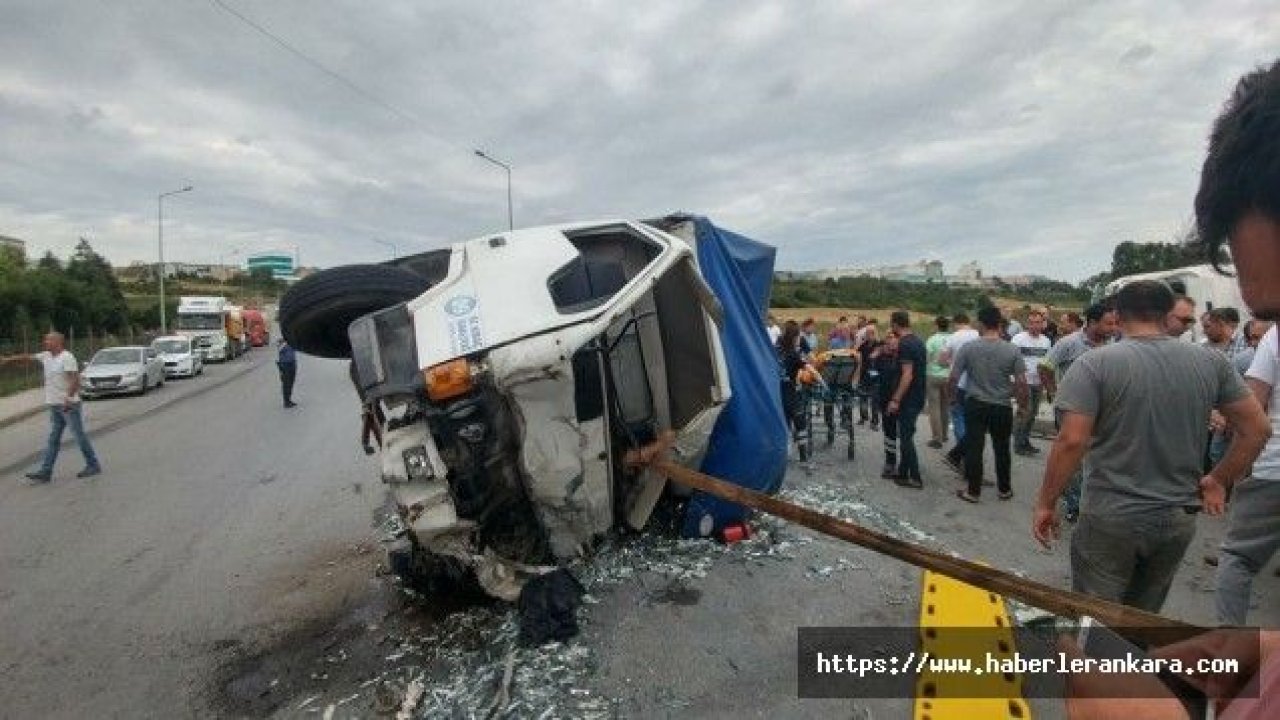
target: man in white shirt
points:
(62, 397)
(774, 331)
(962, 335)
(1033, 345)
(1253, 525)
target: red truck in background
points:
(255, 326)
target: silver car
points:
(120, 371)
(180, 358)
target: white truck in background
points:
(214, 328)
(1202, 283)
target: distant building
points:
(925, 271)
(139, 271)
(1023, 280)
(13, 243)
(969, 274)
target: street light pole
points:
(511, 223)
(394, 253)
(160, 233)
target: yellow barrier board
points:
(945, 605)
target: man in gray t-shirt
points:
(1138, 407)
(994, 368)
(1100, 328)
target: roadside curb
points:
(125, 421)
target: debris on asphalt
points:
(412, 696)
(548, 607)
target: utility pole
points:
(511, 223)
(160, 232)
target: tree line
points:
(1127, 258)
(934, 298)
(84, 295)
(79, 294)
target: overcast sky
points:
(1029, 136)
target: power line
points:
(335, 75)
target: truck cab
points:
(204, 320)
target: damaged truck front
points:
(504, 396)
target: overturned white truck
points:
(503, 379)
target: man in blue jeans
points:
(62, 397)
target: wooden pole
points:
(1122, 618)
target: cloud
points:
(1032, 137)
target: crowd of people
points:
(902, 376)
(1168, 424)
(1152, 430)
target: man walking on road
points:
(936, 387)
(1138, 406)
(287, 361)
(62, 397)
(1033, 346)
(907, 399)
(989, 362)
(1100, 327)
(961, 335)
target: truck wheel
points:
(315, 313)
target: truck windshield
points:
(117, 356)
(199, 321)
(174, 347)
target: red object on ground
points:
(735, 533)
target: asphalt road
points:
(222, 520)
(224, 565)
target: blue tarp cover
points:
(749, 444)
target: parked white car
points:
(180, 358)
(122, 370)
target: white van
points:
(1209, 288)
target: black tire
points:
(315, 313)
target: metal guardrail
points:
(20, 376)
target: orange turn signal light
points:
(448, 380)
